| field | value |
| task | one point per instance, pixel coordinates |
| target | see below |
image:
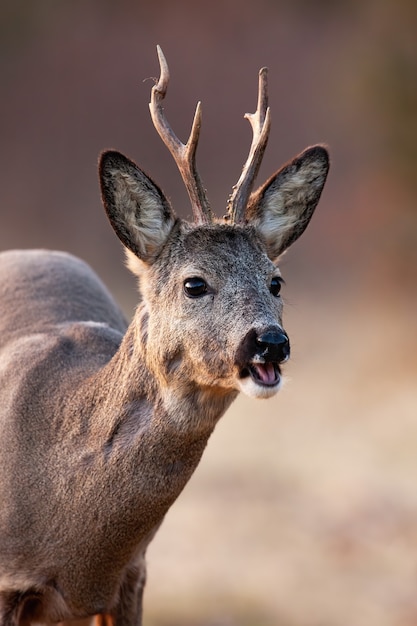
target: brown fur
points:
(103, 424)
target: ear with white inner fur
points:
(138, 211)
(282, 208)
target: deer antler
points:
(261, 123)
(184, 154)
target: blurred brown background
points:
(304, 509)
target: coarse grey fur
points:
(102, 424)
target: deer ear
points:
(138, 211)
(282, 208)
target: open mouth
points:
(264, 374)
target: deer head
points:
(212, 311)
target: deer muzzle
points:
(260, 355)
(274, 345)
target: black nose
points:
(274, 344)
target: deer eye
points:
(275, 286)
(195, 287)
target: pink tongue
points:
(266, 372)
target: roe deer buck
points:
(102, 424)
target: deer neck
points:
(140, 443)
(141, 415)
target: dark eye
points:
(275, 286)
(195, 287)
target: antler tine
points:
(261, 123)
(184, 154)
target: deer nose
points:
(274, 344)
